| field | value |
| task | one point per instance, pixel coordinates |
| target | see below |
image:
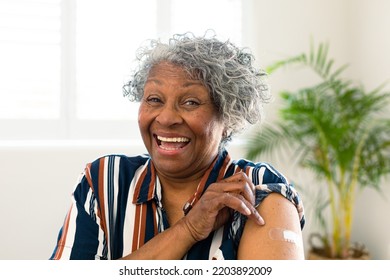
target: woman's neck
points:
(175, 195)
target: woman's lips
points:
(171, 143)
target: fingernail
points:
(247, 210)
(260, 220)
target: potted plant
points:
(338, 131)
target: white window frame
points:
(67, 126)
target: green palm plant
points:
(337, 131)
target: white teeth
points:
(168, 149)
(174, 139)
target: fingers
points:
(238, 193)
(214, 207)
(239, 183)
(239, 203)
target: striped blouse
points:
(117, 207)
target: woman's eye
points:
(192, 103)
(153, 100)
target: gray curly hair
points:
(237, 88)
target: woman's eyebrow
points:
(193, 83)
(185, 85)
(154, 80)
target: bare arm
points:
(165, 246)
(279, 238)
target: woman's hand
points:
(216, 205)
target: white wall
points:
(36, 179)
(370, 61)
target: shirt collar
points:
(146, 185)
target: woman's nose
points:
(169, 115)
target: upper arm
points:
(279, 238)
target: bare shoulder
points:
(279, 238)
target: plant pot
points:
(313, 255)
(320, 250)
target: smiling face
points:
(179, 123)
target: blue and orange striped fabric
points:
(116, 208)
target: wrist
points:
(187, 232)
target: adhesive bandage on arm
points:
(285, 235)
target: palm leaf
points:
(266, 140)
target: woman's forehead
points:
(169, 69)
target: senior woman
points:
(186, 199)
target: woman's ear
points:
(226, 135)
